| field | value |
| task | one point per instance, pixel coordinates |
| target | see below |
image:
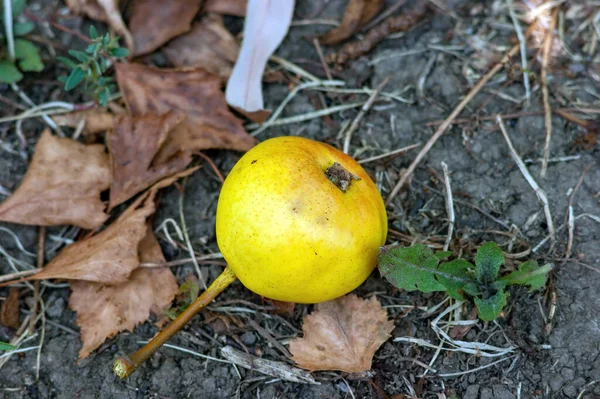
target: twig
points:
(24, 273)
(266, 335)
(476, 369)
(423, 76)
(212, 165)
(536, 188)
(322, 58)
(365, 108)
(545, 92)
(188, 243)
(8, 29)
(306, 116)
(36, 284)
(392, 9)
(448, 121)
(268, 367)
(571, 225)
(388, 154)
(179, 262)
(290, 66)
(272, 118)
(523, 47)
(449, 205)
(570, 218)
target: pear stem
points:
(123, 367)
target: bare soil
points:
(562, 364)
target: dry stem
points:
(123, 367)
(545, 92)
(448, 121)
(365, 108)
(449, 205)
(536, 188)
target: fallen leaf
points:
(226, 7)
(342, 334)
(133, 145)
(208, 45)
(96, 120)
(107, 257)
(196, 93)
(266, 25)
(62, 185)
(155, 22)
(103, 11)
(9, 312)
(357, 14)
(105, 310)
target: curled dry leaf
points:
(96, 120)
(342, 334)
(107, 257)
(226, 7)
(133, 145)
(62, 185)
(155, 22)
(357, 14)
(266, 25)
(195, 92)
(208, 45)
(399, 23)
(9, 311)
(104, 310)
(103, 11)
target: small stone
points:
(472, 392)
(248, 338)
(56, 307)
(568, 373)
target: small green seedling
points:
(89, 67)
(26, 54)
(188, 292)
(6, 347)
(418, 268)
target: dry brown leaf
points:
(96, 120)
(208, 45)
(107, 257)
(195, 92)
(133, 145)
(226, 7)
(342, 334)
(104, 310)
(103, 11)
(62, 185)
(357, 14)
(9, 312)
(155, 22)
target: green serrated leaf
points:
(28, 55)
(6, 347)
(491, 307)
(18, 6)
(74, 78)
(103, 64)
(410, 268)
(23, 28)
(93, 32)
(443, 255)
(9, 73)
(90, 49)
(488, 260)
(103, 97)
(67, 61)
(459, 268)
(528, 274)
(119, 52)
(79, 55)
